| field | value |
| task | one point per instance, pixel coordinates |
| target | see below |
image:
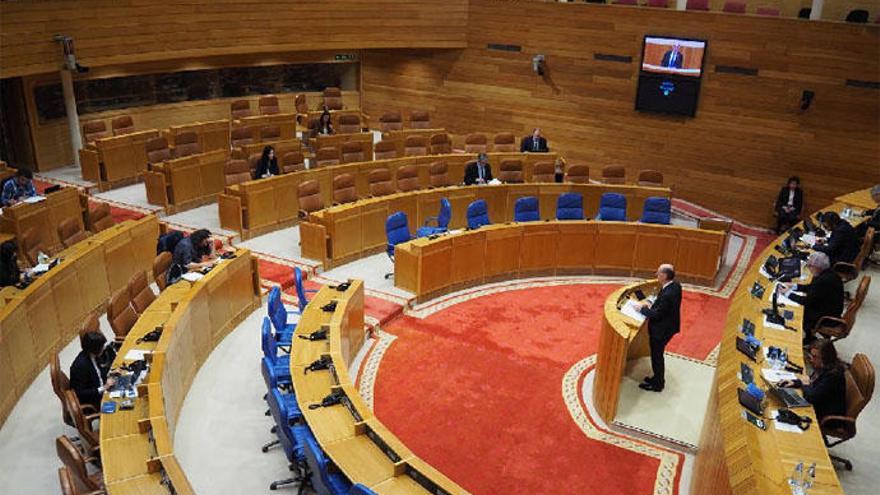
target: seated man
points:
(842, 243)
(789, 204)
(190, 251)
(479, 172)
(19, 187)
(826, 387)
(534, 143)
(88, 373)
(823, 296)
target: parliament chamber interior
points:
(484, 247)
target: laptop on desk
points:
(786, 395)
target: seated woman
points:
(826, 387)
(268, 165)
(324, 127)
(190, 252)
(10, 274)
(789, 204)
(89, 371)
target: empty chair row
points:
(70, 232)
(393, 121)
(93, 130)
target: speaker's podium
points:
(624, 337)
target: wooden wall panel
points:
(111, 32)
(749, 133)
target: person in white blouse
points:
(789, 204)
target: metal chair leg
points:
(269, 445)
(846, 462)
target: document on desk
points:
(776, 376)
(192, 276)
(136, 354)
(783, 298)
(631, 308)
(784, 426)
(34, 199)
(809, 239)
(773, 326)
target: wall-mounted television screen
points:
(669, 79)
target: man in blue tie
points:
(673, 59)
(479, 171)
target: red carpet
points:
(475, 390)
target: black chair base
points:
(269, 445)
(847, 464)
(304, 478)
(389, 275)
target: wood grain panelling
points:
(112, 32)
(749, 133)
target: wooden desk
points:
(286, 122)
(334, 117)
(38, 321)
(735, 457)
(187, 182)
(45, 217)
(213, 135)
(428, 268)
(621, 340)
(281, 147)
(264, 205)
(352, 437)
(116, 160)
(137, 445)
(337, 140)
(859, 199)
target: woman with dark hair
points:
(789, 203)
(88, 378)
(826, 387)
(10, 274)
(190, 251)
(324, 126)
(268, 165)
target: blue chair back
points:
(657, 210)
(270, 349)
(277, 312)
(526, 210)
(317, 463)
(300, 290)
(283, 427)
(396, 230)
(445, 214)
(612, 207)
(360, 489)
(570, 206)
(477, 214)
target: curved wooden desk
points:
(622, 339)
(347, 232)
(263, 205)
(357, 442)
(35, 323)
(736, 457)
(428, 268)
(137, 447)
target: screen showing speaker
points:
(669, 79)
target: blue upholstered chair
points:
(396, 232)
(477, 214)
(360, 489)
(326, 480)
(291, 437)
(570, 206)
(278, 315)
(442, 220)
(612, 207)
(275, 368)
(526, 210)
(300, 290)
(657, 210)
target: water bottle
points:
(797, 479)
(811, 477)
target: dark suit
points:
(664, 321)
(784, 219)
(842, 244)
(472, 173)
(823, 297)
(827, 392)
(676, 62)
(263, 167)
(528, 144)
(85, 380)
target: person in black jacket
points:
(268, 165)
(664, 321)
(842, 243)
(534, 143)
(823, 295)
(826, 387)
(88, 373)
(789, 205)
(478, 172)
(10, 274)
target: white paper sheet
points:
(631, 309)
(776, 376)
(136, 354)
(34, 199)
(192, 276)
(784, 426)
(772, 326)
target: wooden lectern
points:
(622, 339)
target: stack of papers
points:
(808, 239)
(136, 354)
(784, 426)
(776, 376)
(34, 199)
(631, 309)
(192, 276)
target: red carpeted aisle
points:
(475, 390)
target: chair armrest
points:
(830, 321)
(302, 214)
(846, 423)
(88, 409)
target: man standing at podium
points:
(664, 321)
